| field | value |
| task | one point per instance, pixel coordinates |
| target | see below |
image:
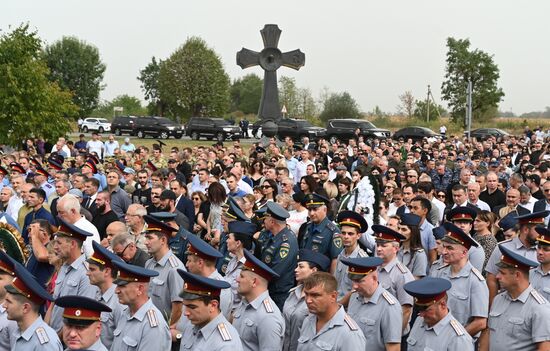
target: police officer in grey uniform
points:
(81, 321)
(7, 327)
(295, 308)
(539, 277)
(352, 225)
(24, 298)
(524, 244)
(279, 252)
(101, 273)
(464, 217)
(72, 278)
(258, 319)
(392, 274)
(438, 233)
(208, 330)
(435, 328)
(201, 260)
(328, 327)
(141, 326)
(468, 297)
(41, 179)
(520, 316)
(321, 234)
(375, 310)
(164, 289)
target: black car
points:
(415, 133)
(344, 129)
(485, 133)
(211, 128)
(123, 124)
(299, 128)
(160, 127)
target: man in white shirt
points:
(473, 197)
(95, 145)
(301, 167)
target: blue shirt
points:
(42, 271)
(238, 193)
(323, 238)
(42, 213)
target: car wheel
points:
(101, 130)
(333, 139)
(84, 129)
(178, 136)
(195, 136)
(220, 136)
(118, 132)
(140, 134)
(164, 135)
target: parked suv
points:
(211, 128)
(299, 128)
(160, 127)
(99, 125)
(344, 129)
(124, 124)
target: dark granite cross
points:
(270, 59)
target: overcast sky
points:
(375, 50)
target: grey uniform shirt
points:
(232, 272)
(38, 337)
(468, 296)
(416, 262)
(518, 324)
(392, 277)
(71, 280)
(515, 245)
(340, 333)
(380, 318)
(146, 330)
(260, 324)
(217, 335)
(435, 266)
(226, 298)
(7, 329)
(97, 346)
(166, 287)
(540, 281)
(108, 319)
(341, 273)
(448, 334)
(294, 311)
(476, 256)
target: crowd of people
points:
(358, 245)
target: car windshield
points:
(221, 122)
(366, 125)
(304, 124)
(164, 120)
(102, 120)
(427, 130)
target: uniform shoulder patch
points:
(173, 261)
(443, 266)
(42, 336)
(284, 250)
(350, 322)
(457, 327)
(362, 253)
(401, 267)
(268, 306)
(153, 319)
(222, 328)
(538, 297)
(389, 298)
(478, 274)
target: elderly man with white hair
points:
(474, 190)
(68, 209)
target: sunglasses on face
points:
(266, 186)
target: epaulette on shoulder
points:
(332, 226)
(350, 322)
(42, 336)
(457, 327)
(86, 265)
(268, 306)
(222, 329)
(401, 267)
(478, 274)
(173, 261)
(284, 237)
(362, 253)
(538, 297)
(443, 266)
(389, 298)
(506, 241)
(293, 289)
(419, 250)
(153, 320)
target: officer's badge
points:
(283, 251)
(315, 248)
(337, 241)
(267, 259)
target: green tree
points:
(463, 65)
(307, 105)
(339, 106)
(131, 106)
(246, 93)
(149, 78)
(193, 82)
(30, 105)
(421, 110)
(289, 96)
(76, 66)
